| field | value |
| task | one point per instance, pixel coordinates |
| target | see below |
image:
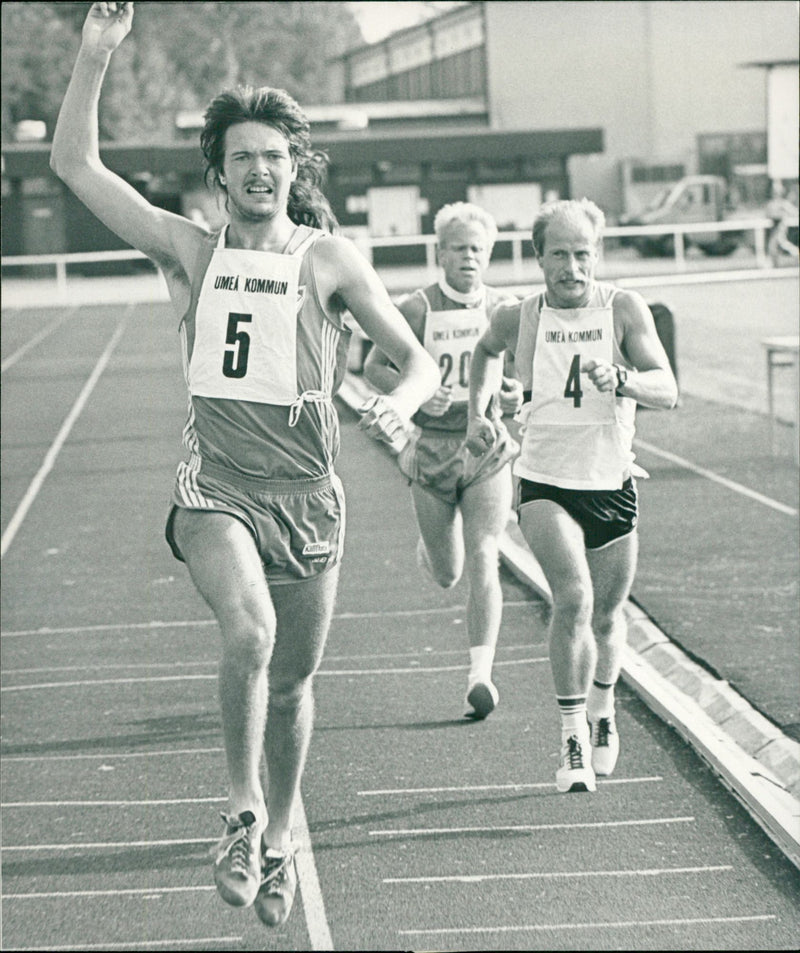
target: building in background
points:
(502, 103)
(665, 82)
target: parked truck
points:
(693, 199)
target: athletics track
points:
(419, 830)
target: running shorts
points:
(603, 515)
(441, 463)
(298, 525)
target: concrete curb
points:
(751, 755)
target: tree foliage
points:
(178, 56)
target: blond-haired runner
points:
(461, 503)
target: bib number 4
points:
(234, 361)
(572, 389)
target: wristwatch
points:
(622, 375)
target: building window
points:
(452, 77)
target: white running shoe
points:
(605, 745)
(575, 770)
(278, 886)
(237, 859)
(482, 697)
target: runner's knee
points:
(248, 636)
(573, 603)
(289, 695)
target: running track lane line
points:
(319, 933)
(613, 925)
(12, 359)
(58, 443)
(716, 478)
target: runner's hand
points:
(439, 404)
(602, 374)
(106, 26)
(381, 420)
(480, 436)
(510, 396)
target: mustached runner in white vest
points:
(586, 353)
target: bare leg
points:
(613, 569)
(485, 507)
(558, 544)
(439, 525)
(304, 611)
(225, 567)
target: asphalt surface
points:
(419, 829)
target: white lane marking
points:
(349, 672)
(151, 802)
(191, 623)
(119, 892)
(716, 478)
(495, 828)
(109, 627)
(109, 845)
(106, 667)
(316, 919)
(200, 942)
(112, 756)
(50, 457)
(363, 656)
(612, 925)
(463, 789)
(540, 785)
(107, 681)
(556, 875)
(12, 359)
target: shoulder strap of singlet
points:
(303, 238)
(422, 293)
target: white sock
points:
(480, 668)
(572, 709)
(600, 703)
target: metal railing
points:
(758, 226)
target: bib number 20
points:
(446, 368)
(572, 389)
(234, 363)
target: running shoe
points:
(278, 885)
(605, 745)
(237, 866)
(482, 697)
(575, 770)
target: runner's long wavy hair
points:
(274, 107)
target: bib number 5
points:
(234, 362)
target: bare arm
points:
(485, 370)
(380, 372)
(378, 368)
(351, 280)
(652, 383)
(167, 239)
